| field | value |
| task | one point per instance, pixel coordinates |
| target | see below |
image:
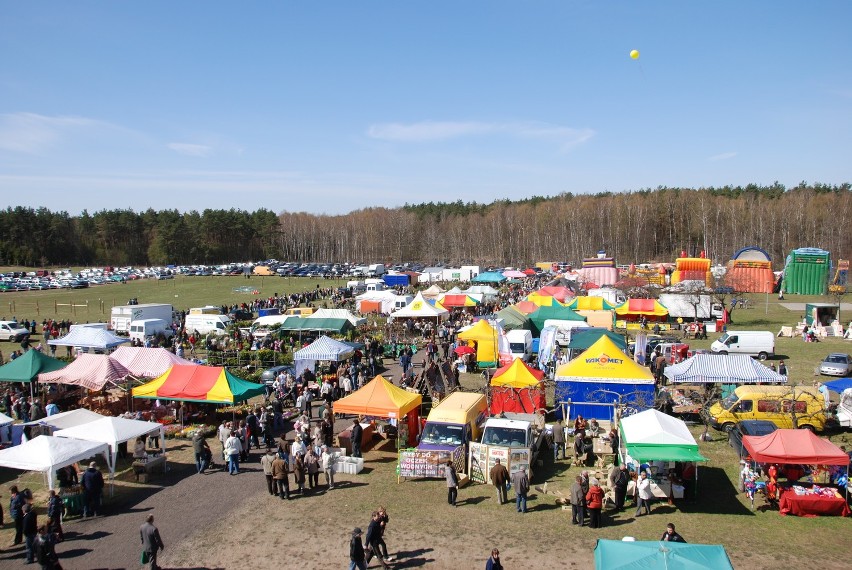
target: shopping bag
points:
(145, 558)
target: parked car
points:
(748, 427)
(268, 376)
(836, 364)
(241, 315)
(12, 331)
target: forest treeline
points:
(637, 226)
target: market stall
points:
(517, 388)
(47, 454)
(642, 554)
(323, 348)
(722, 369)
(146, 362)
(484, 337)
(196, 383)
(661, 442)
(90, 371)
(801, 447)
(29, 365)
(599, 379)
(381, 399)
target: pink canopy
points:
(90, 371)
(146, 362)
(794, 446)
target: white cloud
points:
(191, 149)
(32, 133)
(426, 131)
(723, 156)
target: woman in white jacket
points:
(233, 448)
(643, 488)
(327, 463)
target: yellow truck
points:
(456, 420)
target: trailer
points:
(690, 307)
(122, 316)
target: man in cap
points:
(357, 558)
(93, 484)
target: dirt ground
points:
(216, 521)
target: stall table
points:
(145, 468)
(661, 488)
(73, 499)
(344, 438)
(811, 505)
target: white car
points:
(12, 331)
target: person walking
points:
(493, 562)
(281, 484)
(373, 537)
(671, 535)
(357, 558)
(327, 460)
(558, 440)
(644, 495)
(521, 485)
(620, 486)
(45, 549)
(93, 485)
(452, 483)
(499, 478)
(233, 449)
(30, 529)
(313, 468)
(151, 542)
(16, 511)
(202, 451)
(266, 462)
(384, 519)
(578, 502)
(357, 433)
(594, 502)
(55, 510)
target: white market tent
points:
(433, 292)
(113, 431)
(387, 298)
(92, 371)
(47, 454)
(323, 348)
(69, 419)
(337, 314)
(146, 362)
(89, 337)
(420, 308)
(654, 436)
(721, 368)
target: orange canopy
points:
(379, 398)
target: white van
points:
(520, 344)
(204, 324)
(754, 343)
(146, 328)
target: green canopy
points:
(558, 312)
(29, 365)
(513, 319)
(654, 436)
(639, 554)
(582, 339)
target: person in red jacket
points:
(594, 503)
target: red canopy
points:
(794, 446)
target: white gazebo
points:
(47, 454)
(113, 431)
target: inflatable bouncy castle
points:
(806, 271)
(750, 271)
(599, 271)
(692, 269)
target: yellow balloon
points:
(634, 54)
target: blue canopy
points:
(839, 385)
(636, 555)
(489, 277)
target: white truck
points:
(122, 316)
(513, 439)
(147, 328)
(689, 307)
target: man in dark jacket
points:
(578, 502)
(93, 484)
(620, 486)
(16, 511)
(357, 433)
(202, 451)
(151, 541)
(521, 485)
(499, 478)
(374, 535)
(30, 528)
(356, 552)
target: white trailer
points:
(121, 316)
(685, 306)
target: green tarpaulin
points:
(558, 312)
(582, 339)
(652, 452)
(29, 365)
(333, 325)
(513, 319)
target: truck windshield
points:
(510, 437)
(724, 338)
(729, 401)
(516, 347)
(442, 434)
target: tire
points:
(728, 427)
(808, 427)
(762, 356)
(723, 352)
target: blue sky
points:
(331, 106)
